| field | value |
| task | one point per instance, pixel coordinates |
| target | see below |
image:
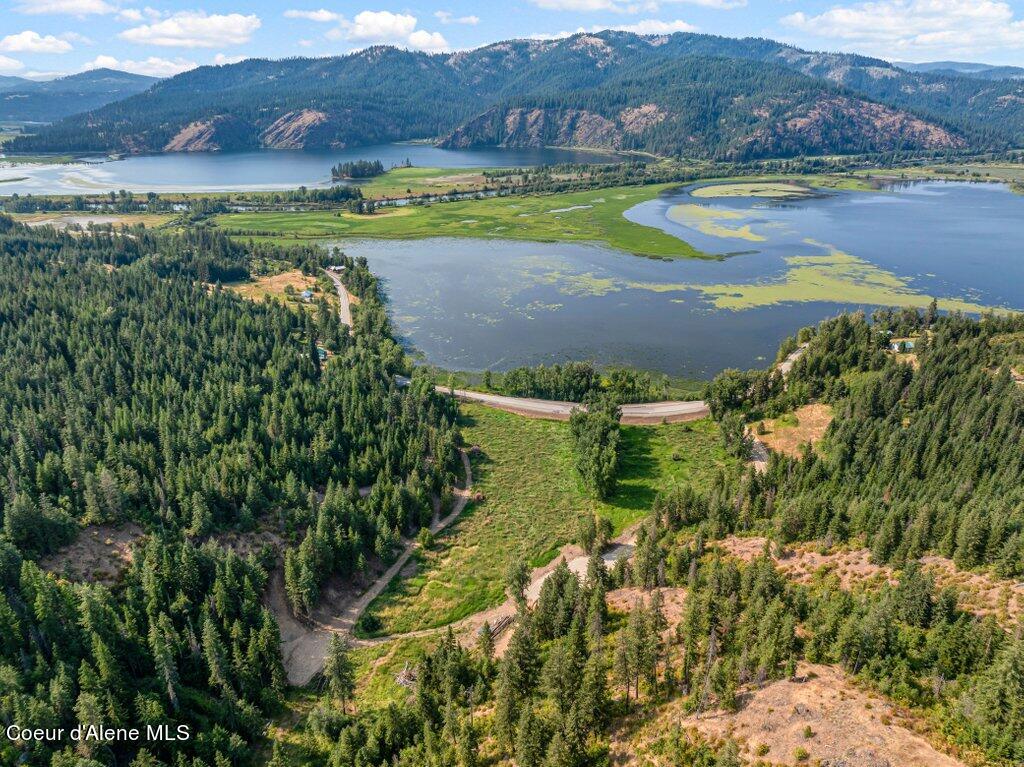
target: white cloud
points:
(322, 16)
(153, 66)
(618, 6)
(133, 15)
(579, 6)
(446, 17)
(381, 26)
(907, 28)
(652, 27)
(384, 27)
(195, 29)
(643, 27)
(33, 42)
(222, 58)
(65, 7)
(428, 42)
(7, 64)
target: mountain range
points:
(24, 100)
(682, 94)
(966, 69)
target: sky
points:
(46, 38)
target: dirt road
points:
(304, 644)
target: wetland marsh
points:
(784, 262)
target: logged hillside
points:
(48, 100)
(612, 89)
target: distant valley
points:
(42, 101)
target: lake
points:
(258, 170)
(474, 304)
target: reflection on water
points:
(258, 170)
(477, 304)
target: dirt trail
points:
(304, 644)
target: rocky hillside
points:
(610, 89)
(701, 106)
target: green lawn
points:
(532, 500)
(578, 216)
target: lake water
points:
(475, 304)
(259, 170)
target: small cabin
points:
(901, 344)
(336, 268)
(307, 295)
(321, 353)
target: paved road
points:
(344, 304)
(787, 364)
(643, 413)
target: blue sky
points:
(41, 38)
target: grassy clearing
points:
(400, 182)
(377, 666)
(594, 216)
(532, 500)
(285, 286)
(769, 189)
(788, 433)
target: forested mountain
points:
(49, 100)
(384, 94)
(697, 105)
(966, 69)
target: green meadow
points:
(594, 216)
(532, 500)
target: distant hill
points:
(49, 100)
(7, 82)
(966, 69)
(690, 94)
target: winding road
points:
(304, 643)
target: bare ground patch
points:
(275, 286)
(979, 592)
(789, 433)
(98, 554)
(848, 726)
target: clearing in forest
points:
(97, 555)
(979, 592)
(531, 503)
(284, 286)
(789, 433)
(819, 717)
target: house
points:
(307, 295)
(336, 268)
(901, 345)
(321, 353)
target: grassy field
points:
(573, 217)
(771, 189)
(400, 182)
(532, 501)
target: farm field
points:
(532, 501)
